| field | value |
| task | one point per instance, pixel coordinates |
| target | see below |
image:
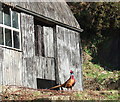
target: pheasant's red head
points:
(71, 71)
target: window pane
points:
(8, 37)
(1, 36)
(16, 39)
(1, 15)
(15, 19)
(7, 18)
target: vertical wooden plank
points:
(55, 55)
(6, 68)
(45, 68)
(11, 67)
(23, 31)
(52, 68)
(38, 66)
(49, 69)
(17, 63)
(1, 66)
(39, 41)
(48, 41)
(27, 26)
(28, 43)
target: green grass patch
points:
(99, 75)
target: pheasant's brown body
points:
(68, 84)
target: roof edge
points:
(48, 19)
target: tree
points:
(95, 18)
(100, 21)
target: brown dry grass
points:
(22, 93)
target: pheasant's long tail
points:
(57, 86)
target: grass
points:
(99, 75)
(99, 81)
(97, 95)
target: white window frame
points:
(3, 26)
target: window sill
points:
(11, 48)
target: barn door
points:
(68, 55)
(45, 61)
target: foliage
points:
(99, 20)
(96, 77)
(101, 23)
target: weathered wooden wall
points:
(28, 48)
(10, 67)
(57, 54)
(24, 67)
(68, 55)
(45, 68)
(36, 66)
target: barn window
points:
(1, 16)
(8, 37)
(7, 16)
(9, 28)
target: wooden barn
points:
(39, 44)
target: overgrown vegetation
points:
(43, 95)
(100, 43)
(101, 24)
(97, 78)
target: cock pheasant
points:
(69, 83)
